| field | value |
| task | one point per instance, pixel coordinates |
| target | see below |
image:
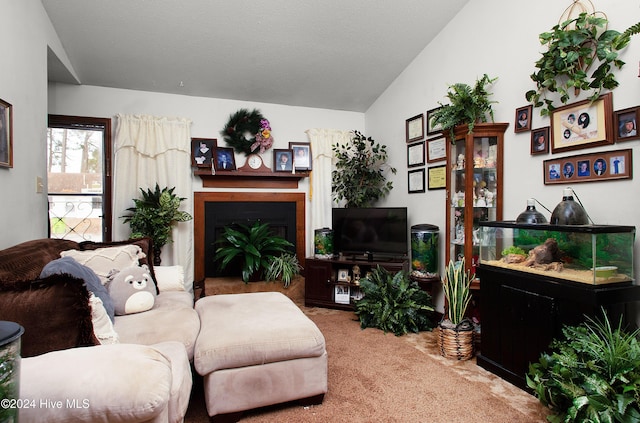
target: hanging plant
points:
(572, 48)
(248, 132)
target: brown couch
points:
(144, 377)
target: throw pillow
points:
(54, 312)
(145, 244)
(170, 278)
(69, 266)
(104, 260)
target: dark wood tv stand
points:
(322, 276)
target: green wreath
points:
(241, 124)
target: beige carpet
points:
(377, 377)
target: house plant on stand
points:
(154, 215)
(468, 105)
(456, 332)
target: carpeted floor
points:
(377, 377)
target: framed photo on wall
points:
(416, 181)
(224, 158)
(431, 129)
(436, 150)
(415, 128)
(437, 177)
(593, 167)
(6, 134)
(626, 124)
(302, 158)
(540, 140)
(584, 124)
(415, 154)
(202, 151)
(282, 160)
(523, 119)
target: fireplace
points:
(285, 212)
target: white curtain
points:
(150, 150)
(323, 162)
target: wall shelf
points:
(247, 179)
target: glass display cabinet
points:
(474, 187)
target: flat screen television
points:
(374, 232)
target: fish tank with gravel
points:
(588, 254)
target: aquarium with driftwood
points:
(590, 254)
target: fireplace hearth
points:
(285, 213)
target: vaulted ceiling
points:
(335, 54)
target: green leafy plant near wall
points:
(593, 375)
(468, 105)
(393, 303)
(573, 46)
(359, 178)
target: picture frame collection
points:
(425, 144)
(582, 125)
(205, 153)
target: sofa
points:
(79, 363)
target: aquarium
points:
(589, 254)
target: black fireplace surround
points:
(281, 217)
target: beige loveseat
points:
(141, 372)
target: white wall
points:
(208, 115)
(23, 83)
(500, 38)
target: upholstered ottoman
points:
(257, 349)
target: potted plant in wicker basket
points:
(456, 332)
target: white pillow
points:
(169, 278)
(102, 326)
(104, 260)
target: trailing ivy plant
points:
(593, 375)
(359, 177)
(393, 303)
(468, 105)
(572, 48)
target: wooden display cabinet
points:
(474, 187)
(326, 279)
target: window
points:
(79, 178)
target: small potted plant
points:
(283, 267)
(255, 246)
(154, 216)
(468, 105)
(456, 337)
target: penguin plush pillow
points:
(132, 290)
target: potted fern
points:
(393, 303)
(456, 332)
(154, 216)
(255, 247)
(468, 105)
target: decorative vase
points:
(157, 251)
(456, 341)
